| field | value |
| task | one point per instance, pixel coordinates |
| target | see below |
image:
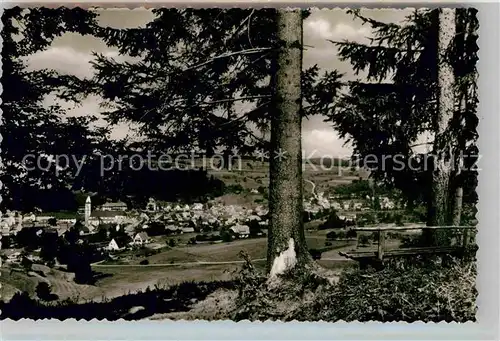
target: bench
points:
(382, 251)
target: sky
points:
(72, 53)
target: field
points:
(252, 174)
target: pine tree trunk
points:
(438, 213)
(287, 247)
(457, 207)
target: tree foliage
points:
(199, 79)
(386, 113)
(30, 128)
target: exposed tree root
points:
(282, 296)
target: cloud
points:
(65, 60)
(324, 29)
(322, 142)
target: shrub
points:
(331, 235)
(403, 291)
(374, 236)
(327, 243)
(226, 236)
(364, 240)
(316, 254)
(144, 262)
(43, 291)
(351, 234)
(332, 222)
(398, 219)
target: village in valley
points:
(177, 234)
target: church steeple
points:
(88, 210)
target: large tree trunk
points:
(287, 247)
(438, 213)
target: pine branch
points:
(376, 47)
(226, 100)
(225, 55)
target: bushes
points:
(236, 189)
(364, 240)
(144, 262)
(336, 235)
(43, 292)
(316, 254)
(207, 238)
(226, 236)
(333, 222)
(351, 234)
(403, 291)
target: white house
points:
(386, 203)
(253, 217)
(106, 217)
(242, 231)
(141, 238)
(197, 206)
(336, 206)
(113, 245)
(358, 205)
(152, 206)
(114, 206)
(116, 245)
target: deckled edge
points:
(1, 138)
(260, 5)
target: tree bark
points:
(438, 213)
(287, 247)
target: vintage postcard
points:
(239, 164)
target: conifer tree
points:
(28, 127)
(395, 103)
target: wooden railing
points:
(382, 234)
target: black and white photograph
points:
(283, 164)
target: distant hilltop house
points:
(152, 206)
(197, 207)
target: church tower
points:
(88, 210)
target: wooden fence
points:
(382, 251)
